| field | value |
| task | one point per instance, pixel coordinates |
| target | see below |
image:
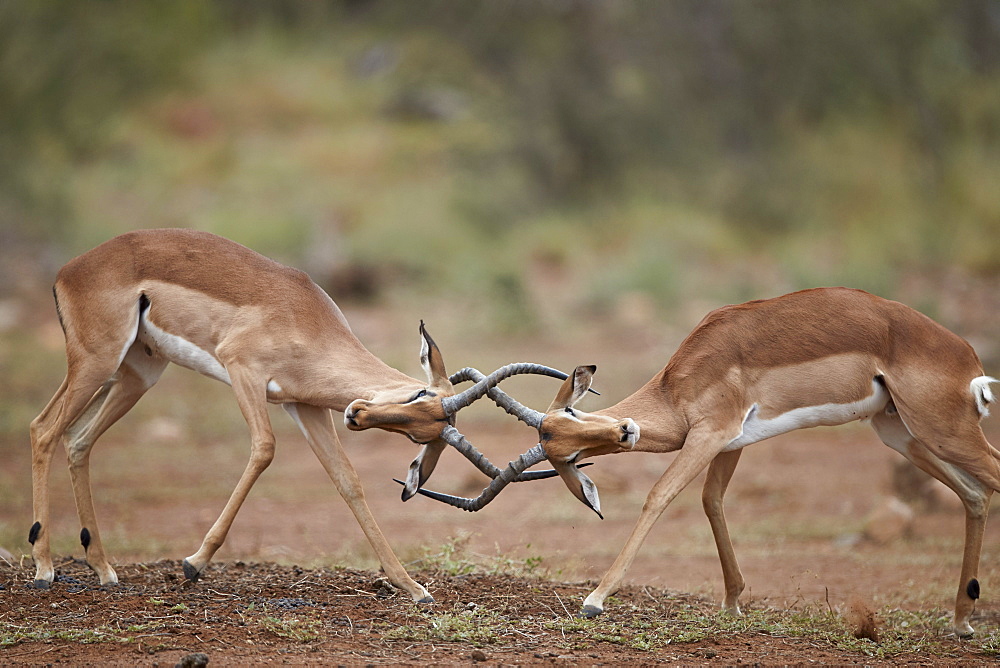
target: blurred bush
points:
(825, 141)
(66, 70)
(561, 168)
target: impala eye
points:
(418, 395)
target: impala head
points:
(413, 410)
(569, 435)
(423, 411)
(566, 436)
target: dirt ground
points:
(253, 614)
(797, 508)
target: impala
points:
(144, 299)
(747, 372)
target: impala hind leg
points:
(98, 337)
(84, 379)
(138, 373)
(250, 391)
(720, 472)
(975, 497)
(700, 447)
(317, 425)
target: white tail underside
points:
(980, 388)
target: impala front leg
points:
(699, 449)
(250, 395)
(317, 425)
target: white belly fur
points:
(757, 429)
(181, 351)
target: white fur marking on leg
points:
(756, 428)
(180, 351)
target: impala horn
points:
(459, 401)
(415, 476)
(422, 466)
(514, 471)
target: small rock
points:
(196, 660)
(889, 522)
(383, 588)
(478, 655)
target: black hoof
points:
(426, 599)
(190, 572)
(590, 611)
(41, 584)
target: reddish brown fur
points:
(259, 321)
(820, 347)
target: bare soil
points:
(264, 613)
(797, 510)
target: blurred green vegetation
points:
(844, 141)
(545, 168)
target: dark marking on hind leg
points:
(36, 529)
(85, 538)
(190, 572)
(972, 589)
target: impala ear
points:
(574, 387)
(431, 360)
(580, 485)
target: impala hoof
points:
(426, 599)
(590, 611)
(41, 584)
(190, 572)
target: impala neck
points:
(349, 372)
(662, 427)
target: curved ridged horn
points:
(459, 401)
(454, 438)
(526, 415)
(416, 476)
(507, 476)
